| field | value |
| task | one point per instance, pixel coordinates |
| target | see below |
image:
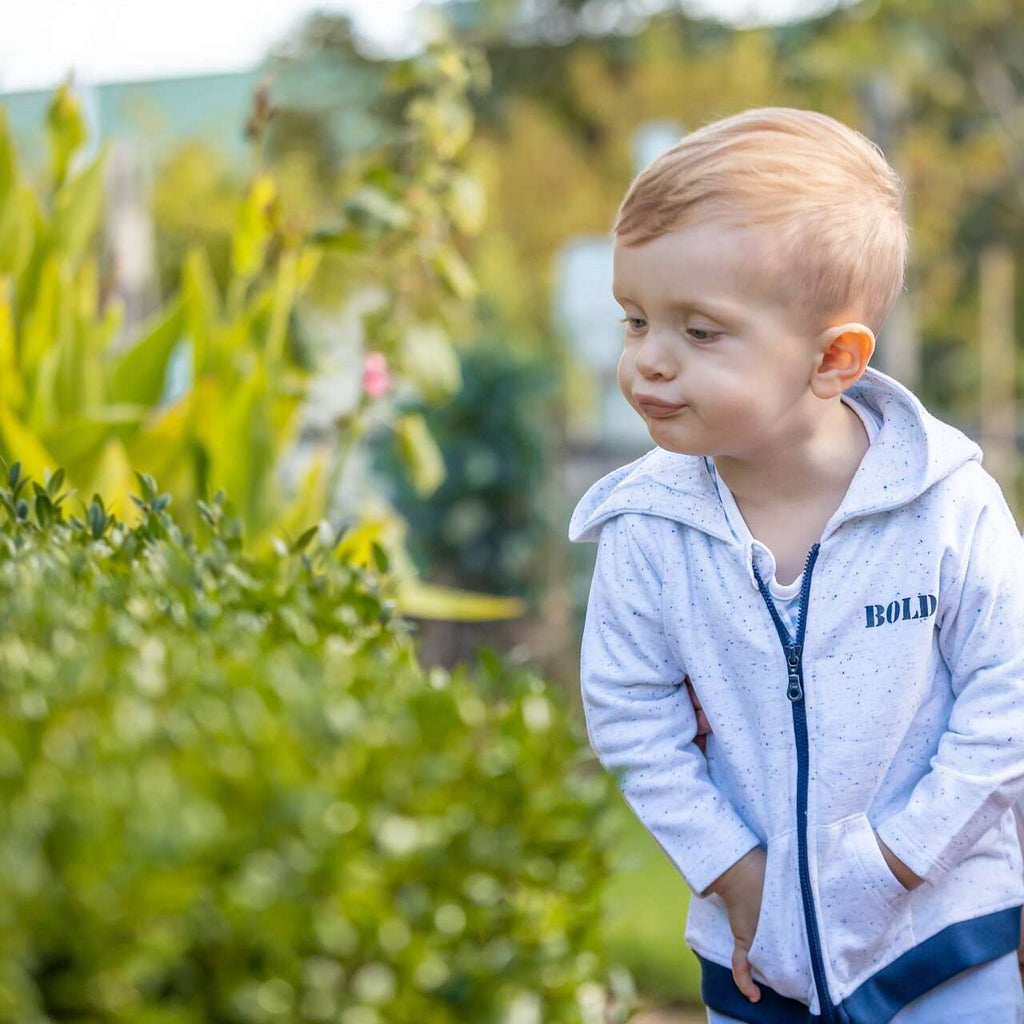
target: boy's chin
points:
(669, 445)
(671, 440)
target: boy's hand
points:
(743, 924)
(741, 887)
(703, 725)
(1020, 949)
(906, 877)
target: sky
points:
(118, 40)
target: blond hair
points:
(834, 201)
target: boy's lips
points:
(658, 408)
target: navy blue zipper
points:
(795, 693)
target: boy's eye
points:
(632, 321)
(708, 335)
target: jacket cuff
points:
(898, 834)
(731, 842)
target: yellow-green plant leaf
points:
(87, 289)
(428, 601)
(253, 227)
(446, 121)
(455, 272)
(31, 267)
(356, 544)
(202, 306)
(66, 129)
(163, 438)
(79, 438)
(137, 375)
(235, 437)
(41, 324)
(12, 387)
(15, 230)
(79, 374)
(305, 508)
(95, 335)
(369, 204)
(283, 417)
(42, 402)
(22, 445)
(15, 213)
(310, 259)
(48, 332)
(419, 453)
(429, 359)
(76, 210)
(114, 479)
(104, 331)
(466, 202)
(8, 159)
(282, 299)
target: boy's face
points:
(707, 327)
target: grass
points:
(645, 906)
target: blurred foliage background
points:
(347, 313)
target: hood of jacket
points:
(911, 451)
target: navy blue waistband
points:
(878, 999)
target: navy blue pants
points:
(990, 993)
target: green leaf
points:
(380, 557)
(237, 444)
(447, 123)
(419, 453)
(454, 272)
(253, 228)
(41, 323)
(137, 376)
(53, 484)
(303, 539)
(15, 208)
(466, 202)
(367, 205)
(76, 211)
(18, 440)
(66, 130)
(202, 307)
(429, 359)
(78, 439)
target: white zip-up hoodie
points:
(898, 704)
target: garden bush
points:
(230, 793)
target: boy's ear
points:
(845, 350)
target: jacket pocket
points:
(778, 952)
(863, 904)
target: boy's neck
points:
(822, 459)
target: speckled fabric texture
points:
(786, 596)
(913, 682)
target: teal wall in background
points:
(337, 88)
(159, 113)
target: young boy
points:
(836, 574)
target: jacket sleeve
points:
(977, 772)
(639, 718)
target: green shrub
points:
(487, 526)
(230, 793)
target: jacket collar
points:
(911, 451)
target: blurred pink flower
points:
(376, 379)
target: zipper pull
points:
(795, 690)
